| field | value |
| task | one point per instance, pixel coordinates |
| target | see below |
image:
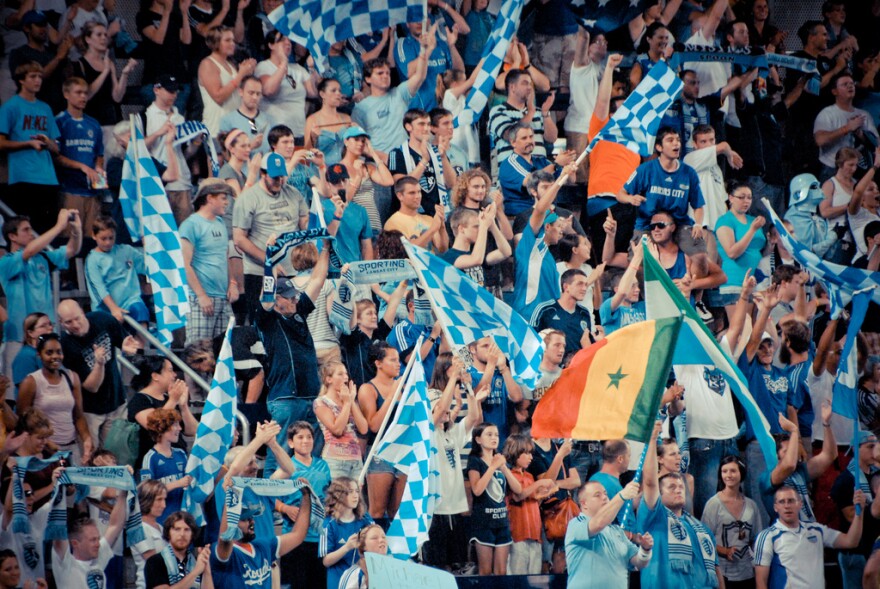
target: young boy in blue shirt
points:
(111, 274)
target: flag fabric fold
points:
(216, 427)
(612, 389)
(846, 384)
(409, 444)
(148, 216)
(469, 312)
(318, 24)
(636, 122)
(847, 279)
(606, 15)
(493, 56)
(697, 345)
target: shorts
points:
(494, 537)
(379, 466)
(137, 310)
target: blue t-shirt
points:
(440, 60)
(381, 117)
(354, 228)
(115, 273)
(495, 405)
(769, 389)
(612, 487)
(166, 469)
(612, 320)
(318, 475)
(28, 286)
(82, 140)
(598, 561)
(210, 243)
(20, 120)
(735, 269)
(665, 191)
(26, 361)
(512, 172)
(333, 537)
(348, 72)
(405, 335)
(799, 395)
(659, 570)
(249, 565)
(481, 23)
(291, 365)
(536, 278)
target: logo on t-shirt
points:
(95, 579)
(714, 380)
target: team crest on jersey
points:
(714, 379)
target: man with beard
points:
(684, 549)
(179, 565)
(248, 562)
(790, 551)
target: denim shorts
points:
(379, 466)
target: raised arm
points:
(650, 471)
(608, 513)
(420, 71)
(787, 465)
(603, 99)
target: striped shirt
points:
(502, 118)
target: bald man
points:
(89, 343)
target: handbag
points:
(123, 440)
(556, 513)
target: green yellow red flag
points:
(612, 389)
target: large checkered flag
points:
(847, 279)
(469, 312)
(493, 56)
(148, 216)
(636, 122)
(216, 427)
(409, 444)
(318, 24)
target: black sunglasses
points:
(659, 225)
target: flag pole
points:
(627, 505)
(580, 159)
(132, 143)
(394, 398)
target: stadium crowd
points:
(370, 144)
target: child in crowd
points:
(489, 477)
(111, 274)
(346, 516)
(341, 421)
(164, 462)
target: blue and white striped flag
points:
(409, 444)
(493, 56)
(216, 427)
(846, 384)
(636, 122)
(318, 24)
(847, 279)
(469, 312)
(148, 215)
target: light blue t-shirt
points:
(623, 316)
(115, 273)
(354, 228)
(20, 120)
(210, 243)
(28, 287)
(263, 122)
(318, 475)
(735, 269)
(665, 191)
(536, 279)
(600, 561)
(382, 116)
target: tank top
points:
(365, 197)
(56, 401)
(679, 268)
(839, 197)
(213, 112)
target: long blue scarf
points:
(174, 574)
(263, 488)
(20, 522)
(115, 477)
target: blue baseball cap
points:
(274, 166)
(354, 131)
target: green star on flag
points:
(616, 377)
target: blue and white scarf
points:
(276, 253)
(57, 516)
(437, 165)
(263, 488)
(377, 271)
(189, 130)
(681, 551)
(860, 479)
(114, 477)
(171, 565)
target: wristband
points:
(335, 218)
(826, 424)
(644, 555)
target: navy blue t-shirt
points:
(665, 191)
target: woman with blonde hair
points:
(96, 67)
(341, 420)
(219, 78)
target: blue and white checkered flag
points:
(846, 383)
(847, 279)
(318, 24)
(148, 216)
(493, 56)
(636, 122)
(216, 427)
(469, 312)
(409, 444)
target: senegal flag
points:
(612, 389)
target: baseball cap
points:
(766, 336)
(550, 218)
(866, 437)
(354, 132)
(274, 166)
(336, 173)
(284, 287)
(167, 82)
(34, 17)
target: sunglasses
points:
(291, 80)
(28, 493)
(741, 526)
(659, 225)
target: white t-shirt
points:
(584, 84)
(709, 402)
(705, 162)
(820, 389)
(288, 105)
(152, 541)
(464, 137)
(155, 119)
(449, 445)
(28, 547)
(82, 573)
(833, 117)
(857, 224)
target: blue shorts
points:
(379, 466)
(494, 537)
(137, 311)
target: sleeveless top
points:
(330, 144)
(56, 401)
(101, 106)
(213, 112)
(365, 197)
(679, 268)
(839, 197)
